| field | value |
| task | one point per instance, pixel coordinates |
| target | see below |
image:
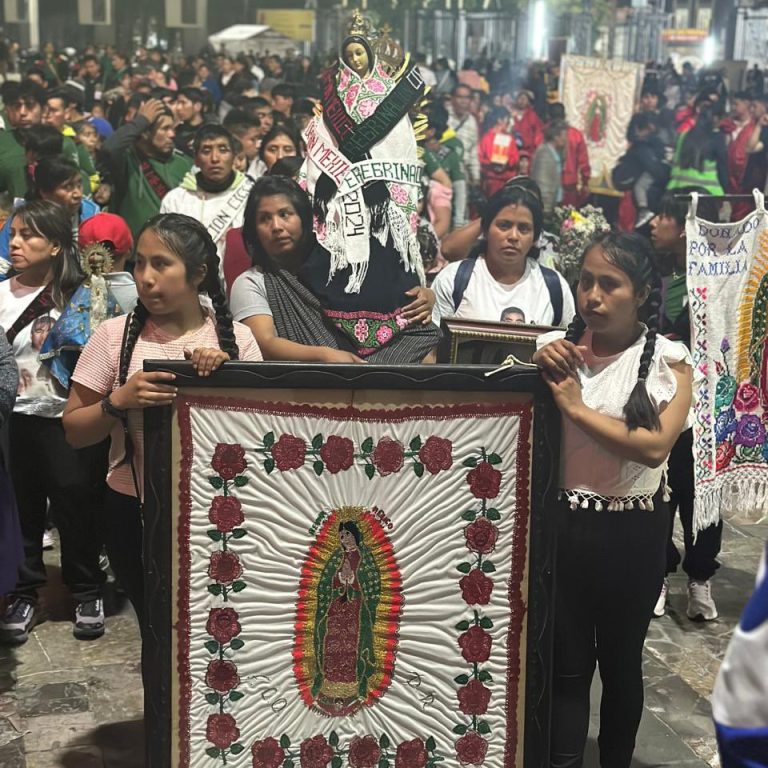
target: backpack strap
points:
(555, 288)
(461, 281)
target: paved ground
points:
(74, 704)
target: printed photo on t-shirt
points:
(512, 315)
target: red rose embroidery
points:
(481, 536)
(229, 460)
(267, 753)
(222, 676)
(436, 454)
(473, 698)
(338, 453)
(225, 567)
(747, 397)
(411, 754)
(364, 752)
(725, 452)
(475, 644)
(289, 452)
(226, 513)
(388, 456)
(315, 752)
(476, 588)
(221, 730)
(222, 624)
(471, 748)
(484, 481)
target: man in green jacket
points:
(143, 163)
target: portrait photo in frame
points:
(349, 564)
(476, 342)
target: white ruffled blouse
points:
(588, 471)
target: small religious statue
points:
(363, 175)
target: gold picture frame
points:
(476, 342)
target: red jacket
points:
(498, 160)
(576, 164)
(530, 129)
(737, 152)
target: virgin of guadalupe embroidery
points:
(348, 614)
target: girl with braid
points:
(624, 393)
(176, 260)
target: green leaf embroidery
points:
(236, 749)
(333, 739)
(336, 762)
(418, 468)
(212, 698)
(240, 481)
(431, 744)
(269, 465)
(415, 444)
(384, 741)
(460, 729)
(285, 741)
(213, 751)
(238, 586)
(486, 623)
(235, 695)
(269, 439)
(288, 763)
(462, 626)
(470, 514)
(236, 643)
(485, 676)
(488, 567)
(238, 533)
(493, 514)
(216, 482)
(214, 589)
(214, 535)
(464, 567)
(494, 458)
(461, 679)
(483, 727)
(367, 445)
(383, 763)
(370, 471)
(212, 646)
(318, 466)
(317, 442)
(470, 462)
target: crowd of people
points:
(180, 193)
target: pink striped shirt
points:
(97, 369)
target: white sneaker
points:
(661, 604)
(48, 541)
(701, 606)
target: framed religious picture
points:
(487, 343)
(349, 567)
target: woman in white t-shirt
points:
(503, 269)
(176, 260)
(624, 393)
(44, 469)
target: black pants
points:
(610, 566)
(124, 533)
(45, 468)
(700, 561)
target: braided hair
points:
(188, 239)
(632, 254)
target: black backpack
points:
(551, 279)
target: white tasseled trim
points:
(585, 499)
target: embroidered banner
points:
(599, 96)
(351, 584)
(728, 294)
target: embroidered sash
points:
(222, 221)
(40, 305)
(159, 187)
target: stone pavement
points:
(73, 704)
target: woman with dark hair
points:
(176, 261)
(281, 141)
(272, 299)
(45, 272)
(56, 179)
(624, 393)
(701, 156)
(503, 269)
